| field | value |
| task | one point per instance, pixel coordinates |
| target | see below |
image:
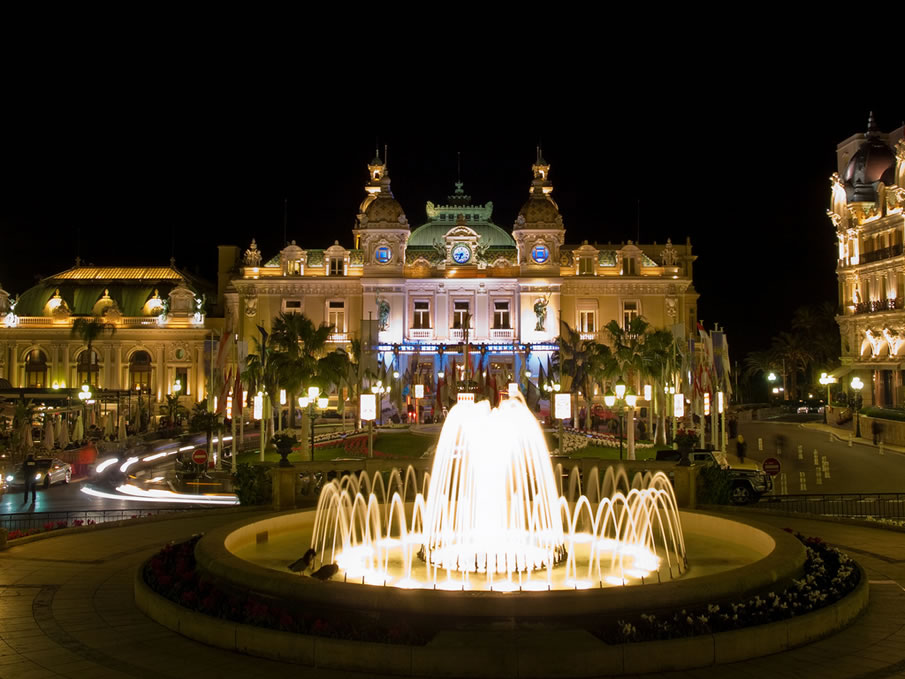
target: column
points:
(117, 366)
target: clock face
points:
(461, 254)
(540, 253)
(383, 254)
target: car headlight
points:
(9, 477)
(38, 476)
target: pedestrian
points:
(780, 443)
(29, 471)
(877, 430)
(741, 448)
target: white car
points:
(49, 471)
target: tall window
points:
(630, 266)
(585, 266)
(87, 368)
(422, 315)
(36, 369)
(336, 315)
(182, 376)
(461, 310)
(501, 314)
(587, 321)
(629, 313)
(336, 266)
(140, 370)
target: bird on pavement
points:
(301, 565)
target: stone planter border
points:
(521, 653)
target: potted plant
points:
(284, 444)
(685, 441)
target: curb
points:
(501, 654)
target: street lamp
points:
(857, 385)
(626, 400)
(827, 380)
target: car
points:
(748, 481)
(50, 471)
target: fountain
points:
(491, 515)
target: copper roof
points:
(107, 273)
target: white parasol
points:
(48, 431)
(122, 428)
(78, 431)
(64, 431)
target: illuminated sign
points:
(368, 406)
(419, 391)
(563, 407)
(678, 405)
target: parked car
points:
(50, 471)
(747, 479)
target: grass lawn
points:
(401, 445)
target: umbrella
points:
(57, 428)
(78, 431)
(110, 427)
(64, 431)
(122, 428)
(48, 431)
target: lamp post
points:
(826, 380)
(857, 385)
(625, 400)
(379, 390)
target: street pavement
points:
(826, 463)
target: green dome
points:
(490, 233)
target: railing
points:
(338, 338)
(457, 334)
(882, 253)
(421, 333)
(588, 336)
(27, 520)
(502, 333)
(871, 306)
(854, 505)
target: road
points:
(836, 467)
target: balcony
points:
(504, 334)
(421, 333)
(589, 336)
(458, 334)
(876, 305)
(882, 253)
(338, 338)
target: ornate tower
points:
(382, 229)
(538, 229)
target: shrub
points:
(714, 486)
(252, 484)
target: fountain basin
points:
(727, 560)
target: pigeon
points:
(302, 564)
(326, 572)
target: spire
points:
(872, 129)
(541, 170)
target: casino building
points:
(413, 295)
(867, 205)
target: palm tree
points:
(88, 329)
(582, 361)
(663, 360)
(261, 375)
(795, 354)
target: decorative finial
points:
(78, 261)
(872, 130)
(172, 262)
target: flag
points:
(227, 338)
(224, 393)
(237, 394)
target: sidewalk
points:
(67, 610)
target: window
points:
(182, 377)
(585, 266)
(336, 266)
(630, 266)
(629, 312)
(383, 254)
(336, 315)
(422, 315)
(140, 370)
(587, 321)
(36, 369)
(501, 314)
(292, 306)
(294, 267)
(87, 368)
(461, 311)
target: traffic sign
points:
(771, 466)
(199, 456)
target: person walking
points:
(741, 448)
(29, 470)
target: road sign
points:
(199, 456)
(771, 466)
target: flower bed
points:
(56, 525)
(576, 439)
(829, 576)
(173, 574)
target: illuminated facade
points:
(868, 200)
(158, 318)
(412, 293)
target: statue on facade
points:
(383, 314)
(540, 311)
(252, 255)
(668, 255)
(251, 305)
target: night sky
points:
(131, 175)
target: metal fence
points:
(51, 520)
(854, 505)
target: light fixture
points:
(303, 401)
(322, 402)
(314, 392)
(620, 389)
(631, 398)
(610, 399)
(648, 392)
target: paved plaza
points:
(67, 610)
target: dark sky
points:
(126, 172)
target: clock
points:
(383, 254)
(461, 254)
(540, 253)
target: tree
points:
(89, 329)
(172, 409)
(582, 361)
(261, 374)
(663, 361)
(795, 354)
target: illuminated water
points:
(492, 514)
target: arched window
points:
(140, 370)
(87, 368)
(36, 369)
